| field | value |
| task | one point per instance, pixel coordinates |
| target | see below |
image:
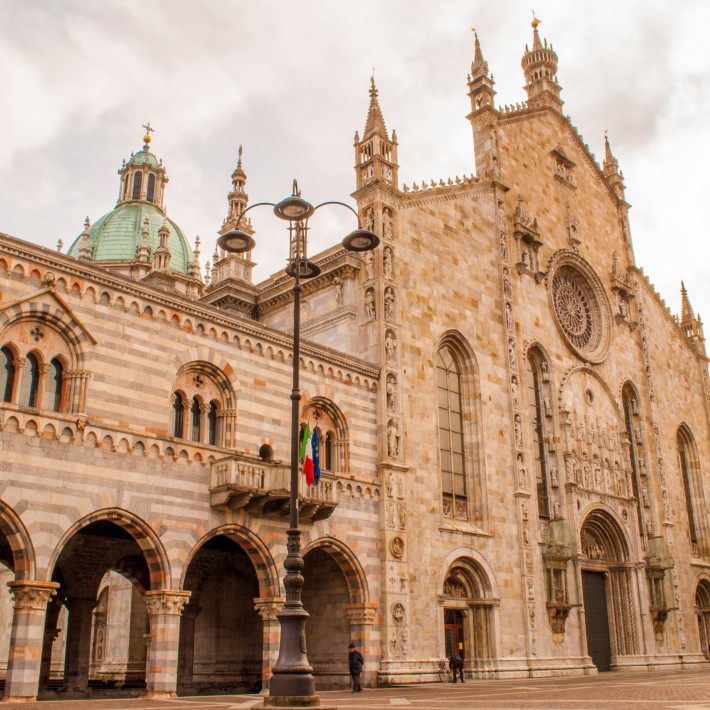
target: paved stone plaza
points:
(674, 690)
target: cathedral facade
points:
(514, 432)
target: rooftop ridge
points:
(433, 185)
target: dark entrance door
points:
(453, 631)
(596, 619)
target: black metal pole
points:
(292, 681)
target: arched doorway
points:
(608, 591)
(221, 632)
(468, 616)
(702, 611)
(97, 626)
(335, 594)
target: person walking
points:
(456, 664)
(355, 663)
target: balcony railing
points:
(263, 488)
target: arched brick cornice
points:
(469, 558)
(255, 549)
(349, 565)
(144, 536)
(23, 554)
(599, 379)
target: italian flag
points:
(309, 455)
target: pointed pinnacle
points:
(686, 309)
(375, 121)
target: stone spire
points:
(540, 67)
(375, 154)
(238, 198)
(161, 256)
(84, 248)
(691, 324)
(480, 81)
(611, 170)
(193, 270)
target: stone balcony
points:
(262, 487)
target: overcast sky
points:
(290, 82)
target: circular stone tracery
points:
(580, 306)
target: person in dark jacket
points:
(355, 662)
(456, 664)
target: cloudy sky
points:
(290, 82)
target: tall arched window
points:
(151, 188)
(693, 488)
(631, 411)
(195, 420)
(537, 409)
(178, 414)
(29, 385)
(451, 444)
(137, 182)
(212, 424)
(53, 386)
(7, 374)
(327, 455)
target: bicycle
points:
(445, 674)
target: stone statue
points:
(390, 347)
(370, 304)
(389, 303)
(338, 291)
(391, 392)
(387, 262)
(392, 438)
(369, 259)
(386, 223)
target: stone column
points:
(268, 608)
(186, 655)
(164, 608)
(362, 618)
(51, 633)
(78, 654)
(26, 638)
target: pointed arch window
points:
(29, 384)
(630, 403)
(7, 374)
(53, 386)
(178, 415)
(137, 184)
(536, 403)
(693, 488)
(451, 443)
(212, 424)
(195, 420)
(150, 193)
(328, 451)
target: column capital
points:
(363, 613)
(268, 607)
(163, 601)
(30, 594)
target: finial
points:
(535, 21)
(87, 223)
(146, 137)
(60, 244)
(239, 159)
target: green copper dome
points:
(117, 235)
(143, 157)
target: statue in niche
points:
(516, 391)
(387, 262)
(545, 371)
(393, 438)
(369, 258)
(501, 215)
(644, 497)
(400, 487)
(338, 291)
(402, 516)
(370, 304)
(548, 405)
(637, 434)
(623, 308)
(554, 477)
(507, 288)
(521, 472)
(503, 248)
(389, 303)
(369, 219)
(389, 513)
(389, 484)
(518, 431)
(390, 347)
(386, 223)
(509, 317)
(525, 258)
(634, 406)
(391, 392)
(511, 355)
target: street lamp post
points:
(292, 682)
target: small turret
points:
(540, 67)
(375, 154)
(143, 177)
(612, 173)
(161, 256)
(84, 253)
(691, 324)
(480, 82)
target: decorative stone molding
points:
(269, 607)
(166, 602)
(363, 613)
(31, 595)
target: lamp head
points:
(294, 208)
(361, 240)
(236, 242)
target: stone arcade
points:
(513, 427)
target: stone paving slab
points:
(660, 690)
